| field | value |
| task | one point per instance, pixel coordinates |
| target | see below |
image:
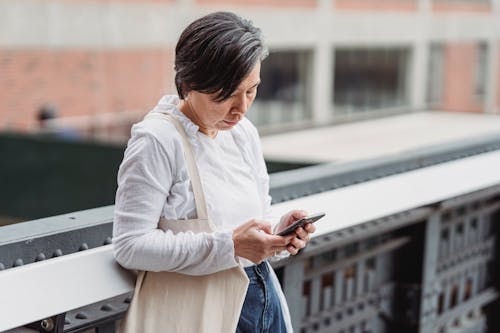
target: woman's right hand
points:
(254, 241)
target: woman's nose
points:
(241, 106)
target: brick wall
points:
(80, 82)
(383, 5)
(498, 81)
(460, 6)
(129, 1)
(270, 3)
(458, 78)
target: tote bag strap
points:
(199, 196)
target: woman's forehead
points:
(252, 79)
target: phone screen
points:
(300, 223)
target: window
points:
(327, 290)
(306, 293)
(440, 308)
(350, 282)
(480, 74)
(454, 297)
(283, 95)
(435, 76)
(369, 278)
(369, 79)
(444, 242)
(468, 289)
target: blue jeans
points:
(262, 309)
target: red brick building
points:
(330, 60)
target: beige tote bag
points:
(172, 302)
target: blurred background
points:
(75, 75)
(385, 114)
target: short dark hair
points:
(215, 53)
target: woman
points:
(217, 72)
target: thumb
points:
(298, 214)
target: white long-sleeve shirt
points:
(153, 182)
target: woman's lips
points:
(231, 123)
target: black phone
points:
(300, 223)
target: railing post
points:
(293, 283)
(428, 306)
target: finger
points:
(275, 240)
(302, 234)
(298, 243)
(298, 214)
(292, 250)
(310, 228)
(304, 237)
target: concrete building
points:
(330, 61)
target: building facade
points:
(330, 61)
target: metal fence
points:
(428, 269)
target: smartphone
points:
(300, 223)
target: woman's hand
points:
(254, 241)
(302, 234)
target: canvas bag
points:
(174, 302)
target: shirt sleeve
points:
(144, 179)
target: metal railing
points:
(426, 269)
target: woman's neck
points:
(189, 112)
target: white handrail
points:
(352, 205)
(47, 288)
(43, 289)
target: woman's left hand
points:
(302, 233)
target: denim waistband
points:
(258, 273)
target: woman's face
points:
(212, 116)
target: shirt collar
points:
(170, 104)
